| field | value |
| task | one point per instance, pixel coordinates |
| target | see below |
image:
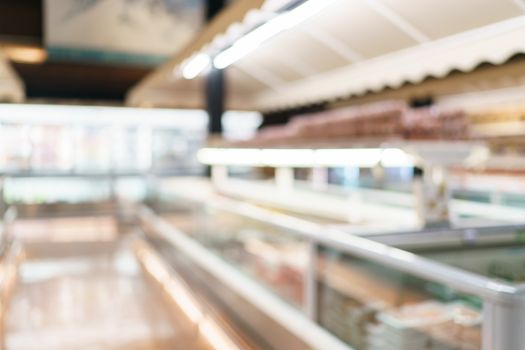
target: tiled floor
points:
(95, 301)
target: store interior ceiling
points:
(326, 65)
(22, 36)
(386, 45)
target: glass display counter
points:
(451, 289)
(268, 254)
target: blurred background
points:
(262, 174)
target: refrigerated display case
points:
(75, 154)
(268, 309)
(47, 140)
(449, 289)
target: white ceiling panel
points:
(361, 28)
(440, 18)
(243, 82)
(282, 66)
(302, 47)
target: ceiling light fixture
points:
(195, 65)
(301, 158)
(253, 39)
(25, 54)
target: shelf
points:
(396, 208)
(339, 208)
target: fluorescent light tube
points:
(252, 40)
(25, 54)
(195, 66)
(298, 158)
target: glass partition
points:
(274, 256)
(503, 262)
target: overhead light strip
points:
(252, 40)
(307, 158)
(201, 61)
(194, 66)
(25, 54)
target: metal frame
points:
(504, 303)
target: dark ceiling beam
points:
(59, 80)
(21, 21)
(215, 85)
(213, 7)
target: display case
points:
(48, 140)
(78, 154)
(449, 289)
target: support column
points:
(432, 196)
(213, 7)
(3, 206)
(215, 96)
(320, 178)
(215, 89)
(311, 288)
(219, 175)
(503, 324)
(284, 178)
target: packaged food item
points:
(387, 119)
(428, 325)
(432, 123)
(347, 318)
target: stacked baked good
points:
(429, 325)
(432, 123)
(383, 120)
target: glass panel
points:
(182, 214)
(91, 149)
(371, 306)
(272, 256)
(131, 149)
(131, 188)
(52, 149)
(501, 263)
